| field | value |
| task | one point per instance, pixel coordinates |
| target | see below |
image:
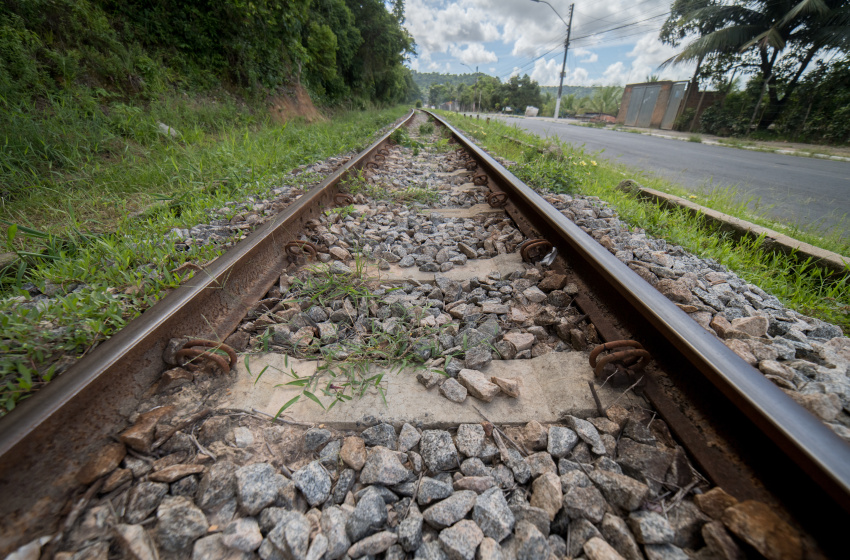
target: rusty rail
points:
(74, 416)
(797, 434)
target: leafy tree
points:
(437, 94)
(777, 39)
(521, 92)
(338, 19)
(378, 69)
(821, 108)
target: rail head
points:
(77, 413)
(803, 437)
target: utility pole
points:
(564, 65)
(473, 93)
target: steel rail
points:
(75, 415)
(799, 434)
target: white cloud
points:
(615, 74)
(546, 72)
(438, 27)
(578, 77)
(473, 54)
(589, 57)
(470, 31)
(649, 52)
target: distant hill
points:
(425, 79)
(579, 91)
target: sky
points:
(612, 42)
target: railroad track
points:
(321, 292)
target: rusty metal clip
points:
(298, 247)
(472, 165)
(343, 199)
(192, 353)
(534, 244)
(623, 364)
(371, 165)
(384, 151)
(378, 157)
(497, 199)
(481, 179)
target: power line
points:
(551, 46)
(523, 63)
(526, 64)
(614, 22)
(622, 26)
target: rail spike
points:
(527, 246)
(619, 368)
(297, 248)
(497, 199)
(343, 199)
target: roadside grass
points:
(119, 262)
(737, 142)
(804, 288)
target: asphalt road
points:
(812, 193)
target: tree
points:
(519, 93)
(774, 38)
(436, 94)
(378, 67)
(606, 100)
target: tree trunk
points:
(775, 105)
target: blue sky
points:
(612, 42)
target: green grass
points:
(695, 138)
(800, 287)
(122, 262)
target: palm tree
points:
(570, 105)
(764, 33)
(606, 100)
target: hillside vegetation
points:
(125, 123)
(87, 81)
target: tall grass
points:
(129, 263)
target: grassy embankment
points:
(103, 223)
(803, 288)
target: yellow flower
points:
(692, 196)
(593, 163)
(582, 162)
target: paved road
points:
(813, 193)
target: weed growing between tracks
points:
(799, 286)
(350, 355)
(354, 184)
(99, 281)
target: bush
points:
(721, 121)
(683, 121)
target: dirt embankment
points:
(294, 103)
